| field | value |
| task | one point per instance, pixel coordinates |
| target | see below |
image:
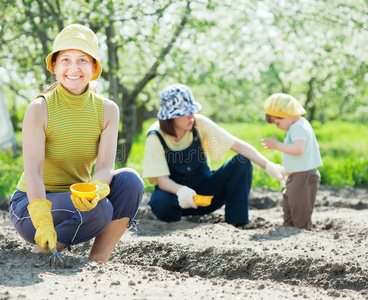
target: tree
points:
(152, 32)
(119, 87)
(233, 54)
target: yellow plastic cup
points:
(202, 200)
(84, 190)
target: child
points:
(300, 156)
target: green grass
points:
(343, 146)
(10, 170)
(343, 149)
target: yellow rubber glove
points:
(40, 213)
(103, 188)
(85, 205)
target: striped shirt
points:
(74, 127)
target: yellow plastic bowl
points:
(201, 200)
(84, 190)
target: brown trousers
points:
(299, 198)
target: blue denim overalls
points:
(230, 184)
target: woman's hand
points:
(276, 171)
(185, 197)
(83, 204)
(41, 217)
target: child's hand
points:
(270, 143)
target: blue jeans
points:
(230, 185)
(74, 226)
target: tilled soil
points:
(205, 258)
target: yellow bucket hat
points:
(78, 37)
(283, 106)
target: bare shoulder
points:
(38, 107)
(36, 114)
(110, 106)
(111, 113)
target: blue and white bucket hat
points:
(177, 101)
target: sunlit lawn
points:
(343, 146)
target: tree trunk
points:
(140, 117)
(128, 100)
(113, 60)
(13, 116)
(309, 104)
(127, 134)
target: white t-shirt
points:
(216, 142)
(311, 157)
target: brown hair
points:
(271, 119)
(167, 126)
(55, 83)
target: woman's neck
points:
(179, 135)
(72, 100)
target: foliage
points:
(10, 170)
(343, 148)
(238, 51)
(233, 54)
(341, 144)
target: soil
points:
(205, 258)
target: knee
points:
(131, 177)
(243, 163)
(242, 168)
(164, 209)
(166, 214)
(128, 179)
(102, 214)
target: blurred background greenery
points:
(233, 54)
(342, 148)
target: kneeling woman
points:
(176, 160)
(66, 130)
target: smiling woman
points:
(74, 69)
(66, 130)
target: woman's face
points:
(74, 70)
(184, 123)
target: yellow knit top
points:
(73, 132)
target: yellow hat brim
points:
(95, 75)
(76, 37)
(283, 106)
(281, 114)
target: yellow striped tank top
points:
(72, 138)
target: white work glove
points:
(185, 197)
(276, 171)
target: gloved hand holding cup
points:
(85, 196)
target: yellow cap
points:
(77, 37)
(283, 106)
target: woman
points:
(66, 130)
(176, 152)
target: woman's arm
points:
(168, 185)
(272, 169)
(250, 152)
(33, 138)
(105, 163)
